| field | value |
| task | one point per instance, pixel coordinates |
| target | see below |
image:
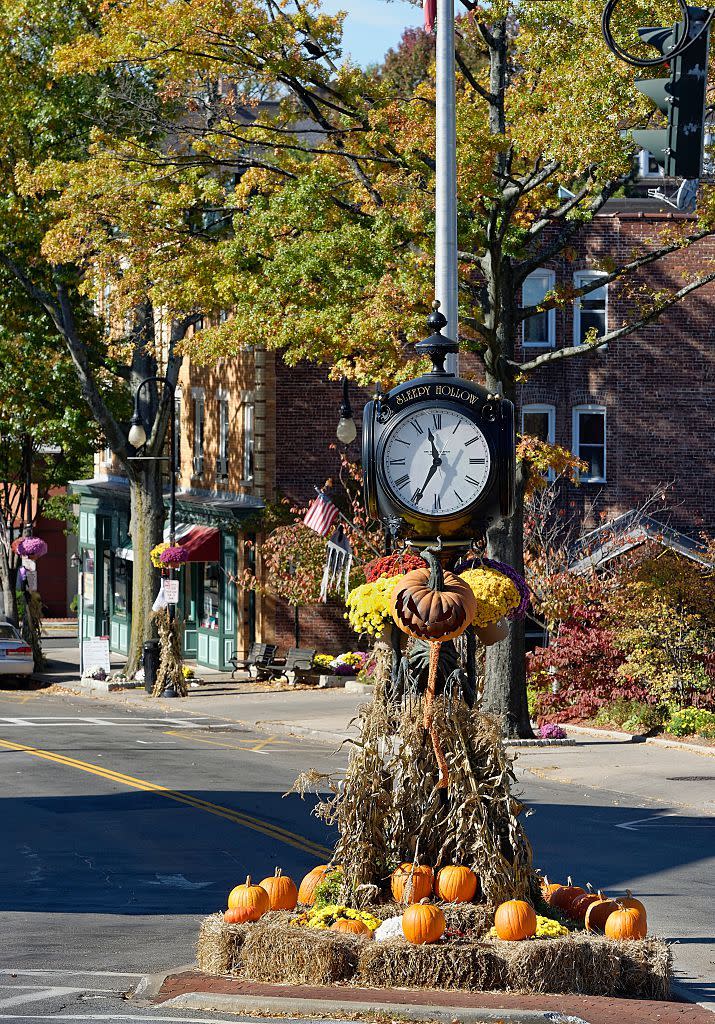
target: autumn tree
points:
(318, 184)
(96, 279)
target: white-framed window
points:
(539, 329)
(224, 426)
(647, 166)
(539, 420)
(589, 441)
(199, 417)
(248, 425)
(591, 310)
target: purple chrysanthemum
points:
(506, 570)
(552, 732)
(176, 555)
(32, 547)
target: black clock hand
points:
(433, 469)
(435, 453)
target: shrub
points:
(631, 715)
(552, 732)
(692, 720)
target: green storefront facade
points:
(211, 526)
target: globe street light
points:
(347, 431)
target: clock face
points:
(436, 461)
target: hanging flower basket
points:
(485, 572)
(156, 554)
(29, 547)
(173, 557)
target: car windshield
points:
(8, 632)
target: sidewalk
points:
(190, 990)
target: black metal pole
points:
(296, 624)
(172, 485)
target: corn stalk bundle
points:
(170, 660)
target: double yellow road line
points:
(276, 832)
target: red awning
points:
(202, 543)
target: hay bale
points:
(218, 950)
(646, 968)
(474, 918)
(587, 965)
(301, 956)
(471, 966)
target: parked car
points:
(15, 653)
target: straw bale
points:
(471, 966)
(218, 950)
(588, 965)
(301, 956)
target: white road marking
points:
(69, 974)
(39, 993)
(176, 882)
(656, 819)
(43, 723)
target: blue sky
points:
(373, 26)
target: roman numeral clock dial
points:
(436, 462)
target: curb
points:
(323, 1007)
(150, 985)
(655, 741)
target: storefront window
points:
(89, 579)
(209, 619)
(122, 586)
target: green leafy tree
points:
(316, 181)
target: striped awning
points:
(202, 543)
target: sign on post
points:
(96, 652)
(171, 591)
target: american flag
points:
(430, 7)
(321, 515)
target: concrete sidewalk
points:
(191, 990)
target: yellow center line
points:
(239, 818)
(184, 735)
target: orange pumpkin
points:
(432, 604)
(350, 925)
(626, 923)
(281, 891)
(630, 901)
(306, 893)
(251, 898)
(422, 923)
(515, 920)
(410, 883)
(237, 915)
(565, 895)
(548, 890)
(598, 912)
(493, 632)
(581, 904)
(456, 884)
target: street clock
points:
(438, 452)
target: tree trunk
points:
(505, 677)
(8, 594)
(147, 524)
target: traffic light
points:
(678, 149)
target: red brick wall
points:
(52, 567)
(656, 384)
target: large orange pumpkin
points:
(598, 913)
(456, 884)
(515, 920)
(626, 923)
(353, 927)
(252, 898)
(306, 893)
(281, 891)
(432, 604)
(410, 883)
(422, 923)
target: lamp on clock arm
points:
(346, 431)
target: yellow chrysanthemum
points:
(369, 605)
(495, 593)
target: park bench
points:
(297, 662)
(259, 655)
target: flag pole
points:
(446, 285)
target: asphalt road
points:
(122, 829)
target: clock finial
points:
(437, 347)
